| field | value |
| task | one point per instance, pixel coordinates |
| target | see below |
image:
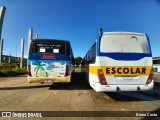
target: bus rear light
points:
(150, 78)
(101, 77)
(67, 71)
(29, 71)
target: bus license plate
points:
(127, 78)
(47, 81)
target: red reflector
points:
(149, 80)
(29, 71)
(107, 86)
(101, 77)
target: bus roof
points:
(104, 33)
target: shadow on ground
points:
(24, 87)
(151, 95)
(77, 83)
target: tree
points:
(78, 61)
(38, 67)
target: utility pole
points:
(30, 33)
(22, 53)
(1, 50)
(2, 12)
(16, 51)
(9, 59)
(36, 37)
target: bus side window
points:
(85, 62)
(88, 57)
(93, 53)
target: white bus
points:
(119, 61)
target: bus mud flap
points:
(118, 89)
(138, 88)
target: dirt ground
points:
(77, 97)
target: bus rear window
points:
(130, 43)
(48, 48)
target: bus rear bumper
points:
(44, 79)
(118, 88)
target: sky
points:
(78, 21)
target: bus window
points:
(49, 48)
(124, 43)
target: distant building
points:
(10, 59)
(156, 64)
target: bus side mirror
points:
(100, 31)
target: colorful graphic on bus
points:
(50, 60)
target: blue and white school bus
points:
(50, 61)
(119, 61)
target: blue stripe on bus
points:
(49, 61)
(125, 56)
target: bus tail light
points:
(101, 77)
(67, 71)
(29, 70)
(149, 80)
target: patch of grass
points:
(12, 72)
(20, 71)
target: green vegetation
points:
(12, 72)
(12, 68)
(78, 61)
(14, 62)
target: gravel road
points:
(16, 94)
